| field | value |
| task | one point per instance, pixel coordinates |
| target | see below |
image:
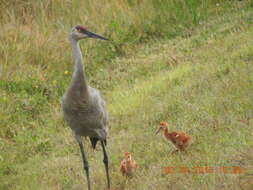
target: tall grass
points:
(31, 28)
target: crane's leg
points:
(106, 163)
(85, 161)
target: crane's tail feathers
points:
(93, 141)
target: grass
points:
(199, 80)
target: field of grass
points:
(192, 69)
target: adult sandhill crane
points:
(83, 107)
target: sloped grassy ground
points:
(200, 83)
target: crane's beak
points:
(158, 130)
(93, 35)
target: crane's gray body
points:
(85, 112)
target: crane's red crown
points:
(81, 29)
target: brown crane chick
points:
(180, 139)
(128, 165)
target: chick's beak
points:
(158, 130)
(93, 35)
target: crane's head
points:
(162, 126)
(79, 32)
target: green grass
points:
(199, 80)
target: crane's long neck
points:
(78, 77)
